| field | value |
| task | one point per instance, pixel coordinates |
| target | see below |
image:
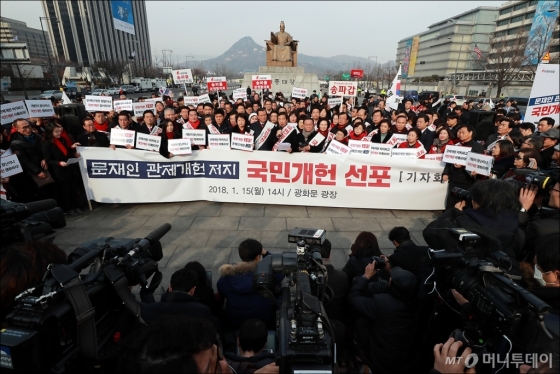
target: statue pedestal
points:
(285, 78)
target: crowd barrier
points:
(310, 179)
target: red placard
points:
(261, 82)
(356, 73)
(215, 86)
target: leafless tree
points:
(538, 44)
(506, 58)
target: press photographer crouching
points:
(386, 320)
(490, 209)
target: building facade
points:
(13, 31)
(87, 32)
(448, 46)
(528, 24)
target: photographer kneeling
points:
(493, 216)
(387, 319)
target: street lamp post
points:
(375, 65)
(46, 45)
(457, 64)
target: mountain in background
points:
(246, 56)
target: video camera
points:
(498, 306)
(32, 221)
(72, 318)
(305, 337)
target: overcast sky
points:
(207, 29)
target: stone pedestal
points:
(285, 78)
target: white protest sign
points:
(218, 141)
(359, 147)
(148, 142)
(139, 108)
(240, 94)
(343, 88)
(122, 137)
(99, 103)
(380, 149)
(434, 157)
(12, 111)
(10, 166)
(243, 142)
(545, 99)
(119, 105)
(197, 137)
(179, 146)
(397, 139)
(204, 99)
(191, 100)
(299, 93)
(182, 76)
(482, 164)
(337, 148)
(334, 101)
(404, 153)
(456, 154)
(39, 108)
(317, 139)
(73, 160)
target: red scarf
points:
(170, 135)
(195, 124)
(61, 146)
(66, 138)
(357, 137)
(324, 133)
(101, 127)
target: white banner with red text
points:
(353, 181)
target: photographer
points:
(493, 216)
(408, 255)
(546, 221)
(387, 320)
(23, 265)
(178, 300)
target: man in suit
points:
(149, 122)
(427, 137)
(504, 128)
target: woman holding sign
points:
(170, 131)
(384, 134)
(242, 126)
(412, 141)
(504, 157)
(441, 141)
(58, 148)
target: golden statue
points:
(281, 46)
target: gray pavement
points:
(210, 232)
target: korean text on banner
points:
(334, 101)
(182, 76)
(122, 137)
(99, 103)
(12, 111)
(218, 142)
(216, 83)
(337, 148)
(359, 147)
(299, 93)
(123, 16)
(148, 142)
(308, 179)
(242, 142)
(119, 105)
(204, 99)
(179, 146)
(545, 97)
(39, 108)
(10, 166)
(240, 94)
(404, 152)
(261, 82)
(456, 154)
(197, 137)
(380, 149)
(190, 100)
(482, 164)
(343, 88)
(356, 73)
(139, 108)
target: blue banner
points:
(541, 31)
(123, 17)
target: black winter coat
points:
(174, 303)
(460, 175)
(30, 153)
(94, 139)
(386, 336)
(53, 155)
(377, 137)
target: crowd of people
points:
(380, 315)
(43, 145)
